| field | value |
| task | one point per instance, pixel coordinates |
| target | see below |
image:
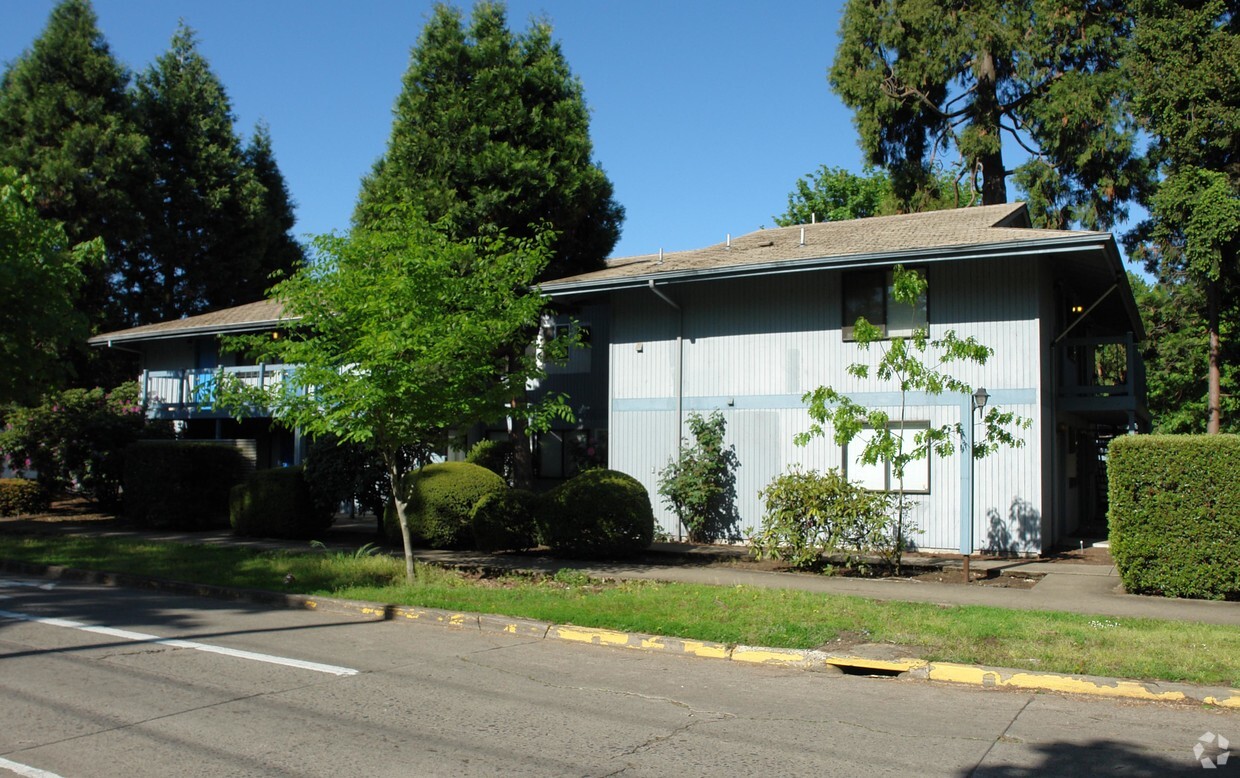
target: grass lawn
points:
(1145, 649)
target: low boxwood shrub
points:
(597, 513)
(278, 503)
(441, 500)
(19, 496)
(809, 514)
(180, 484)
(1174, 516)
(505, 521)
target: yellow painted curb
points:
(991, 677)
(878, 665)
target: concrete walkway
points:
(1071, 587)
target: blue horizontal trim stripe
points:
(767, 402)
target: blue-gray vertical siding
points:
(752, 348)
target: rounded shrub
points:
(277, 504)
(181, 484)
(505, 521)
(20, 496)
(494, 455)
(598, 513)
(441, 501)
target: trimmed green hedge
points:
(441, 499)
(180, 484)
(19, 496)
(1175, 514)
(505, 521)
(278, 503)
(598, 513)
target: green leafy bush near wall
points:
(505, 521)
(441, 501)
(598, 513)
(494, 455)
(278, 504)
(1175, 514)
(20, 496)
(179, 484)
(809, 514)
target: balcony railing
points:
(182, 394)
(1101, 369)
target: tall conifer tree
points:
(491, 131)
(66, 122)
(209, 229)
(927, 79)
(1185, 64)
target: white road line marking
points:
(26, 770)
(177, 643)
(47, 587)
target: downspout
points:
(680, 374)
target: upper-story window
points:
(578, 357)
(869, 294)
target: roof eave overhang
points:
(1072, 243)
(239, 328)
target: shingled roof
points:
(877, 239)
(252, 317)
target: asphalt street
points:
(100, 681)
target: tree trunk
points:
(986, 121)
(392, 459)
(1214, 394)
(522, 456)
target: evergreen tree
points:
(491, 132)
(927, 78)
(1185, 65)
(66, 122)
(272, 236)
(214, 231)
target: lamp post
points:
(979, 402)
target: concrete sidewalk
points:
(1071, 587)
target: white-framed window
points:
(879, 477)
(578, 357)
(868, 293)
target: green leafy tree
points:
(1185, 65)
(926, 79)
(66, 121)
(1176, 356)
(215, 229)
(700, 485)
(913, 364)
(835, 194)
(491, 132)
(395, 336)
(42, 273)
(76, 440)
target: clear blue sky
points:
(703, 113)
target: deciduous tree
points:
(395, 329)
(41, 274)
(926, 79)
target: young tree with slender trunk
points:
(394, 331)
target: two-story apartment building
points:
(748, 326)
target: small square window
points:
(868, 294)
(879, 477)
